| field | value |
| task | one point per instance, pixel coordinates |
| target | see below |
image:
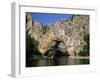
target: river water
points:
(58, 62)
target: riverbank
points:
(79, 57)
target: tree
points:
(31, 48)
(85, 50)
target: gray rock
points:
(70, 31)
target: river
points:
(59, 61)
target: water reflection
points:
(59, 61)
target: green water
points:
(58, 62)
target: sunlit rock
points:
(70, 32)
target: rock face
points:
(29, 24)
(70, 32)
(34, 29)
(45, 41)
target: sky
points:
(49, 18)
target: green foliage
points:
(85, 50)
(45, 29)
(31, 46)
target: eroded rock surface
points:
(70, 31)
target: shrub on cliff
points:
(31, 47)
(85, 51)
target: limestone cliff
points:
(33, 28)
(70, 31)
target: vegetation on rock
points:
(85, 50)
